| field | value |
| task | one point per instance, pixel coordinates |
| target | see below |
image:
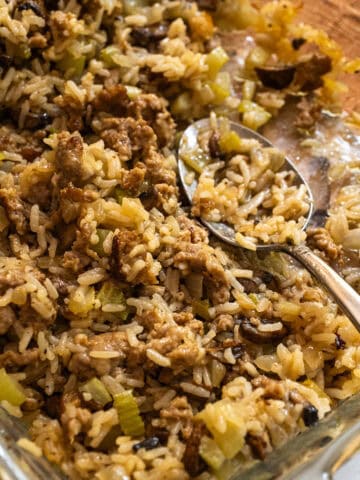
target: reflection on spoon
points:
(345, 296)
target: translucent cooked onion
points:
(352, 239)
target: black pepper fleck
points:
(310, 415)
(148, 444)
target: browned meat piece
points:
(163, 196)
(260, 444)
(37, 6)
(309, 72)
(12, 274)
(12, 278)
(218, 294)
(78, 194)
(178, 409)
(152, 109)
(320, 239)
(176, 342)
(149, 37)
(191, 459)
(273, 388)
(146, 109)
(157, 171)
(192, 231)
(123, 243)
(203, 207)
(184, 354)
(30, 149)
(10, 358)
(7, 319)
(115, 342)
(30, 152)
(15, 209)
(309, 113)
(133, 180)
(75, 261)
(38, 41)
(68, 159)
(59, 25)
(110, 342)
(182, 318)
(126, 136)
(200, 260)
(119, 140)
(74, 111)
(35, 186)
(225, 322)
(74, 419)
(28, 317)
(113, 100)
(49, 435)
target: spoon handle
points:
(346, 297)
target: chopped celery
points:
(72, 66)
(248, 90)
(257, 57)
(230, 142)
(254, 116)
(217, 372)
(102, 233)
(220, 87)
(132, 92)
(120, 194)
(196, 159)
(22, 51)
(211, 453)
(130, 420)
(314, 386)
(215, 60)
(201, 308)
(254, 298)
(107, 56)
(111, 293)
(230, 432)
(10, 390)
(97, 390)
(181, 106)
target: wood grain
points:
(341, 20)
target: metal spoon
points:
(347, 299)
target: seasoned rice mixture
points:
(133, 345)
(247, 186)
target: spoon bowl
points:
(344, 295)
(222, 230)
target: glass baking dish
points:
(318, 453)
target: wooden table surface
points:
(341, 19)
